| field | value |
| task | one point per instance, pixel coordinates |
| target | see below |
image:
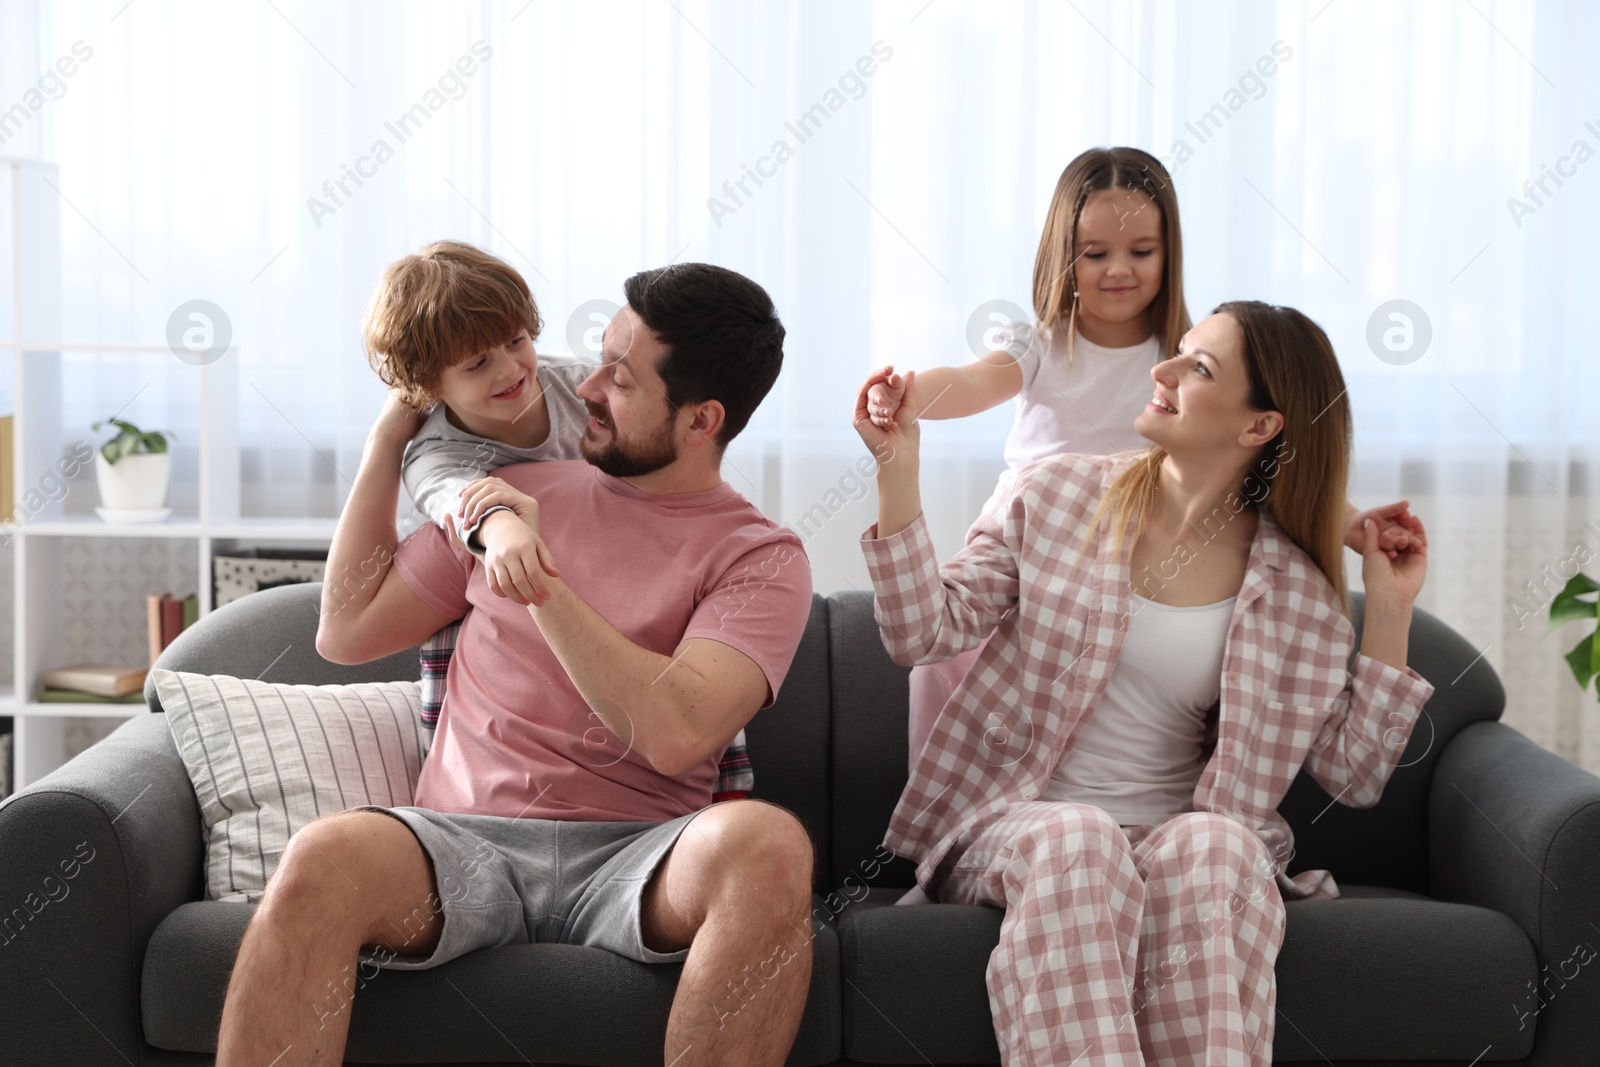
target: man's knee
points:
(755, 850)
(311, 859)
(337, 864)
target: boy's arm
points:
(368, 611)
(436, 469)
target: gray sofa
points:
(1476, 878)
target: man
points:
(564, 797)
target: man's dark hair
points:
(723, 338)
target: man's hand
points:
(516, 559)
(397, 423)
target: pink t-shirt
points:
(515, 738)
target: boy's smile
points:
(496, 394)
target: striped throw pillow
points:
(267, 759)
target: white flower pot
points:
(134, 483)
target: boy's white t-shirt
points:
(442, 458)
(1088, 407)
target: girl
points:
(1108, 293)
(1076, 778)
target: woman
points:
(1191, 597)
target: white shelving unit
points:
(35, 349)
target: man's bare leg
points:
(736, 888)
(346, 880)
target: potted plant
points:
(133, 469)
(1570, 605)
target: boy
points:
(452, 328)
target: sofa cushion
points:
(563, 1004)
(1377, 974)
(267, 759)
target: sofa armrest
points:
(1516, 828)
(97, 854)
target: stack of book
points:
(91, 683)
(168, 616)
(7, 472)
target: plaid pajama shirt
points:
(1104, 950)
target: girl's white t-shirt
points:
(1088, 407)
(1138, 755)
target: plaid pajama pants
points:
(1126, 945)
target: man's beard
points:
(632, 460)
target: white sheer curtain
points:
(1373, 163)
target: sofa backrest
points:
(1383, 845)
(832, 748)
(271, 636)
(1387, 844)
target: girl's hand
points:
(398, 423)
(1398, 578)
(1394, 536)
(900, 429)
(884, 397)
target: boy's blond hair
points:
(430, 311)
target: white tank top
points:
(1138, 755)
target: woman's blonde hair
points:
(434, 309)
(1298, 478)
(1055, 277)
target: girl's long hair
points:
(1055, 277)
(1299, 477)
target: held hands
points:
(1394, 536)
(1398, 575)
(517, 562)
(884, 397)
(886, 413)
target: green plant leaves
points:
(1584, 659)
(131, 440)
(1568, 606)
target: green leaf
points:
(153, 441)
(1584, 659)
(1594, 655)
(1567, 607)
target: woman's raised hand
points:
(1400, 577)
(886, 428)
(883, 398)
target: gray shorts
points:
(519, 881)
